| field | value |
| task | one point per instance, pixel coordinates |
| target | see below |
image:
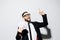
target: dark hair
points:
(24, 13)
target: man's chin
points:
(28, 20)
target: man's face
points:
(27, 17)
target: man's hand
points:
(41, 12)
(20, 29)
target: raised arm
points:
(44, 16)
(19, 33)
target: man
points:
(26, 32)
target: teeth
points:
(28, 19)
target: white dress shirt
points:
(24, 25)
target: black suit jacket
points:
(38, 25)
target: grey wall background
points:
(11, 10)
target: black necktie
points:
(30, 31)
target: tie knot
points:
(28, 22)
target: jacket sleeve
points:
(18, 36)
(23, 35)
(44, 23)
